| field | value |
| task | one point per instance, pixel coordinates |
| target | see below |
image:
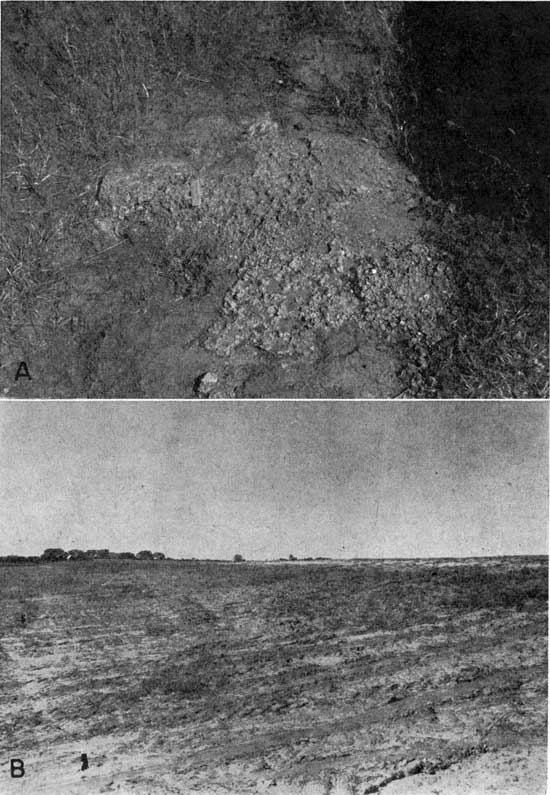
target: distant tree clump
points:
(238, 559)
(98, 554)
(291, 557)
(77, 554)
(54, 554)
(15, 559)
(57, 554)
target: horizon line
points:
(296, 559)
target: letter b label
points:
(17, 768)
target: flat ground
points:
(195, 677)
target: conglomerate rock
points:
(318, 231)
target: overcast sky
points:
(266, 479)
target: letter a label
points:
(23, 372)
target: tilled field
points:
(181, 677)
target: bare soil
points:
(196, 677)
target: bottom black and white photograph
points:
(287, 597)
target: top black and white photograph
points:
(275, 200)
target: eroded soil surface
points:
(193, 677)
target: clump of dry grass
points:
(496, 345)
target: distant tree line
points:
(56, 554)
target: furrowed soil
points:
(351, 677)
